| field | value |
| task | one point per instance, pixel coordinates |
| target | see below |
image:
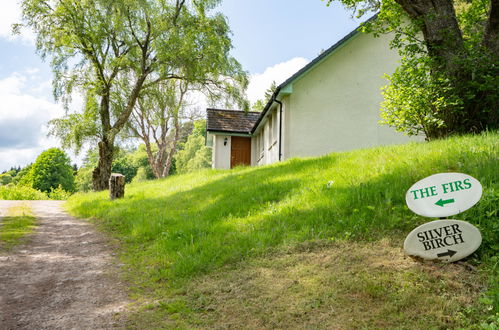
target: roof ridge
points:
(232, 110)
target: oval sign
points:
(443, 194)
(446, 240)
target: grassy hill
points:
(310, 242)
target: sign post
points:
(442, 195)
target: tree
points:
(448, 78)
(112, 50)
(51, 170)
(259, 105)
(23, 177)
(5, 179)
(156, 120)
(194, 154)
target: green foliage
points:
(59, 194)
(174, 230)
(5, 179)
(83, 179)
(443, 86)
(141, 175)
(24, 177)
(194, 155)
(111, 51)
(259, 105)
(139, 158)
(186, 225)
(18, 222)
(124, 165)
(51, 170)
(417, 101)
(20, 192)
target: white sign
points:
(443, 194)
(446, 240)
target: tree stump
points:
(116, 186)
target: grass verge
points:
(176, 231)
(18, 223)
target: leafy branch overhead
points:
(448, 77)
(96, 47)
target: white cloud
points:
(260, 82)
(23, 119)
(10, 14)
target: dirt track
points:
(64, 277)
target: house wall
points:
(265, 142)
(221, 153)
(335, 106)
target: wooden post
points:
(116, 186)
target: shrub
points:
(59, 194)
(51, 170)
(12, 192)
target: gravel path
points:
(63, 278)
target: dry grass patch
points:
(341, 285)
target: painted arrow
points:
(449, 253)
(442, 202)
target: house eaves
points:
(286, 87)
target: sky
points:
(272, 39)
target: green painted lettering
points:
(415, 192)
(444, 187)
(459, 185)
(467, 183)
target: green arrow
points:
(442, 202)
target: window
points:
(261, 143)
(274, 128)
(271, 130)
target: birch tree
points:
(93, 45)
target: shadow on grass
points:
(246, 212)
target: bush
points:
(5, 179)
(59, 194)
(51, 170)
(12, 192)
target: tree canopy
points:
(112, 50)
(51, 170)
(448, 77)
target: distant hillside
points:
(285, 245)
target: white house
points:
(332, 104)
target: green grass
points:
(16, 193)
(178, 229)
(18, 223)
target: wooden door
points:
(240, 151)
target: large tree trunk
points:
(491, 36)
(102, 172)
(445, 45)
(440, 28)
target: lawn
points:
(215, 226)
(18, 223)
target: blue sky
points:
(272, 39)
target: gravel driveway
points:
(64, 277)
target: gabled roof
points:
(231, 121)
(237, 121)
(285, 86)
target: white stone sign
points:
(446, 240)
(443, 194)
